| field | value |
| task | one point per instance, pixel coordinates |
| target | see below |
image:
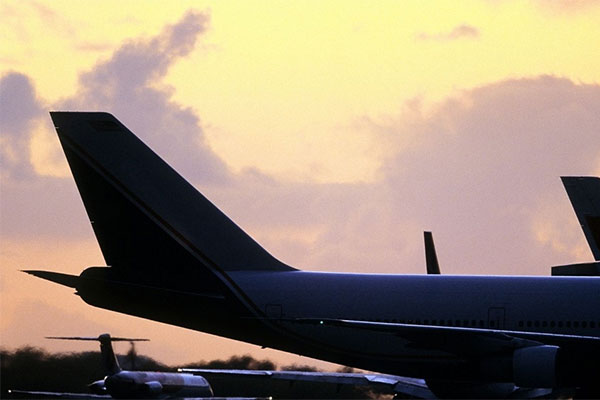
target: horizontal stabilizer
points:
(99, 338)
(57, 277)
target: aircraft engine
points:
(152, 388)
(97, 387)
(536, 366)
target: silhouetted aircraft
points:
(173, 257)
(123, 384)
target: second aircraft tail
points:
(584, 193)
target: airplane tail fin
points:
(433, 267)
(146, 217)
(109, 359)
(584, 193)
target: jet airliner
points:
(124, 384)
(173, 256)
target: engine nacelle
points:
(536, 366)
(97, 387)
(152, 388)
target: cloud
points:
(480, 169)
(94, 46)
(568, 6)
(483, 168)
(462, 31)
(20, 110)
(128, 84)
(30, 320)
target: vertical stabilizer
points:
(584, 193)
(146, 217)
(433, 267)
(109, 359)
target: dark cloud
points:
(19, 111)
(463, 31)
(129, 85)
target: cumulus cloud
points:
(462, 31)
(20, 110)
(480, 169)
(484, 168)
(128, 84)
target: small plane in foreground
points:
(173, 257)
(124, 384)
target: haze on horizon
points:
(333, 133)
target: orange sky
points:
(333, 132)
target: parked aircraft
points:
(191, 383)
(124, 384)
(173, 257)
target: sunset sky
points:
(333, 132)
